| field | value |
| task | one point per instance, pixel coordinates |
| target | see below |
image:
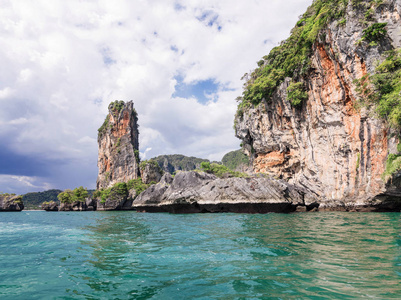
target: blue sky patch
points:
(106, 55)
(178, 6)
(198, 89)
(210, 18)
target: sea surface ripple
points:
(129, 255)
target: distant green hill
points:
(235, 159)
(90, 193)
(34, 200)
(178, 162)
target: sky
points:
(181, 62)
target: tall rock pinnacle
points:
(118, 159)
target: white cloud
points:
(64, 61)
(6, 92)
(25, 75)
(24, 180)
(143, 154)
(87, 140)
(18, 121)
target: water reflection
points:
(162, 256)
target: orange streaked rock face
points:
(328, 146)
(264, 162)
(118, 146)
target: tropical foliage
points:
(296, 93)
(292, 58)
(121, 189)
(383, 88)
(152, 162)
(70, 196)
(116, 107)
(220, 170)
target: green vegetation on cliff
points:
(11, 198)
(292, 57)
(375, 32)
(116, 107)
(70, 196)
(393, 164)
(6, 195)
(118, 189)
(383, 88)
(137, 185)
(121, 189)
(102, 194)
(104, 126)
(16, 199)
(137, 158)
(387, 82)
(153, 162)
(220, 170)
(296, 93)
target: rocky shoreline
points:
(193, 192)
(200, 192)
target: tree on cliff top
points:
(70, 196)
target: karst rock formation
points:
(332, 143)
(118, 159)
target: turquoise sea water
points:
(129, 255)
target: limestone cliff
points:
(325, 140)
(151, 172)
(118, 145)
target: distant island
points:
(234, 160)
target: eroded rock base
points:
(247, 208)
(262, 208)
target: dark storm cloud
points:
(28, 165)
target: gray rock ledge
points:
(193, 192)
